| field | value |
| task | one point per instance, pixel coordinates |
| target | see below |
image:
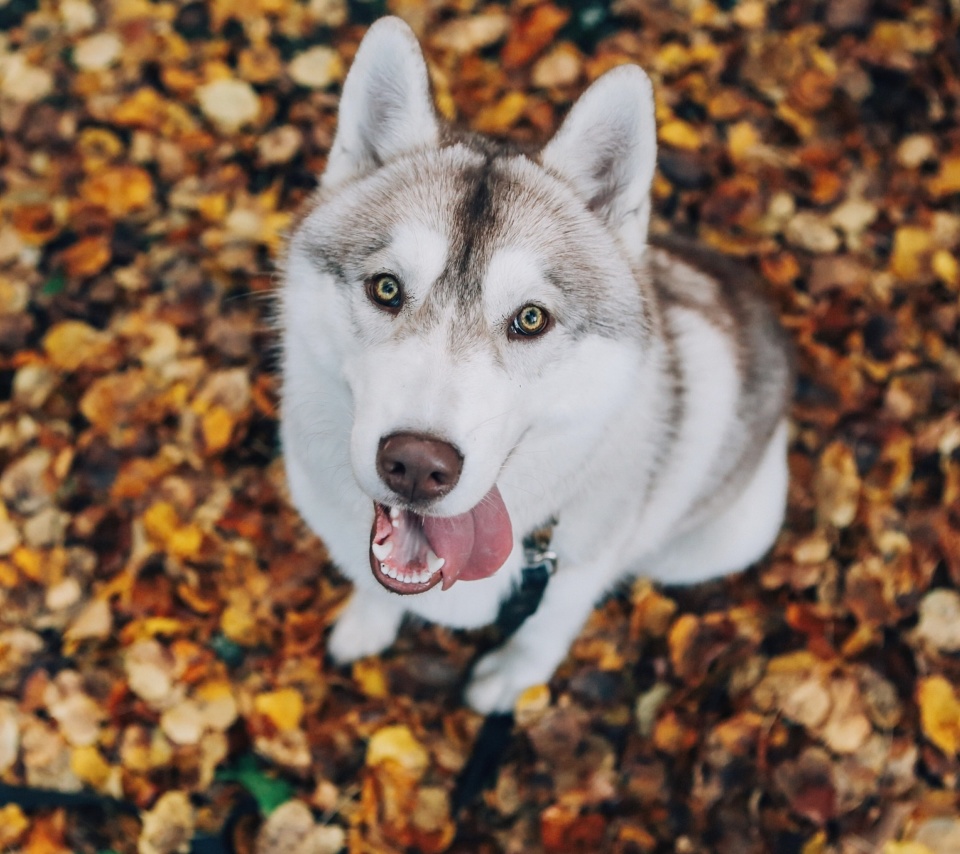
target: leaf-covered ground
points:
(163, 610)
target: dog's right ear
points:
(386, 108)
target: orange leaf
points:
(87, 257)
(120, 190)
(36, 223)
(533, 34)
(562, 829)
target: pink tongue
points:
(474, 544)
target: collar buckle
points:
(537, 554)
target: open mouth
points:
(410, 553)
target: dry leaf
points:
(939, 713)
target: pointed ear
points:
(386, 108)
(607, 150)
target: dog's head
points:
(476, 301)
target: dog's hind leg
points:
(735, 537)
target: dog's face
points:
(462, 290)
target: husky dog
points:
(477, 340)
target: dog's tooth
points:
(434, 561)
(382, 550)
(395, 517)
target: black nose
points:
(418, 467)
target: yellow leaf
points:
(98, 147)
(906, 848)
(71, 344)
(673, 58)
(398, 745)
(501, 116)
(217, 427)
(213, 208)
(742, 139)
(946, 268)
(284, 707)
(160, 520)
(531, 704)
(680, 134)
(939, 713)
(13, 825)
(142, 109)
(31, 563)
(816, 844)
(238, 624)
(911, 250)
(163, 526)
(947, 181)
(90, 766)
(8, 575)
(368, 674)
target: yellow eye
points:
(530, 320)
(385, 290)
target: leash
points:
(496, 733)
(539, 563)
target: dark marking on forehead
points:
(474, 211)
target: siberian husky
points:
(477, 340)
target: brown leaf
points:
(532, 34)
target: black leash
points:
(496, 734)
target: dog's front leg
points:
(541, 643)
(367, 625)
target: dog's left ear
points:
(386, 108)
(607, 150)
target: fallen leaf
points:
(939, 713)
(120, 190)
(283, 707)
(316, 68)
(397, 744)
(229, 104)
(169, 826)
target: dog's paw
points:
(499, 678)
(364, 628)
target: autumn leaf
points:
(121, 190)
(939, 713)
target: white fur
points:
(609, 142)
(385, 110)
(570, 424)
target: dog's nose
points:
(418, 467)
